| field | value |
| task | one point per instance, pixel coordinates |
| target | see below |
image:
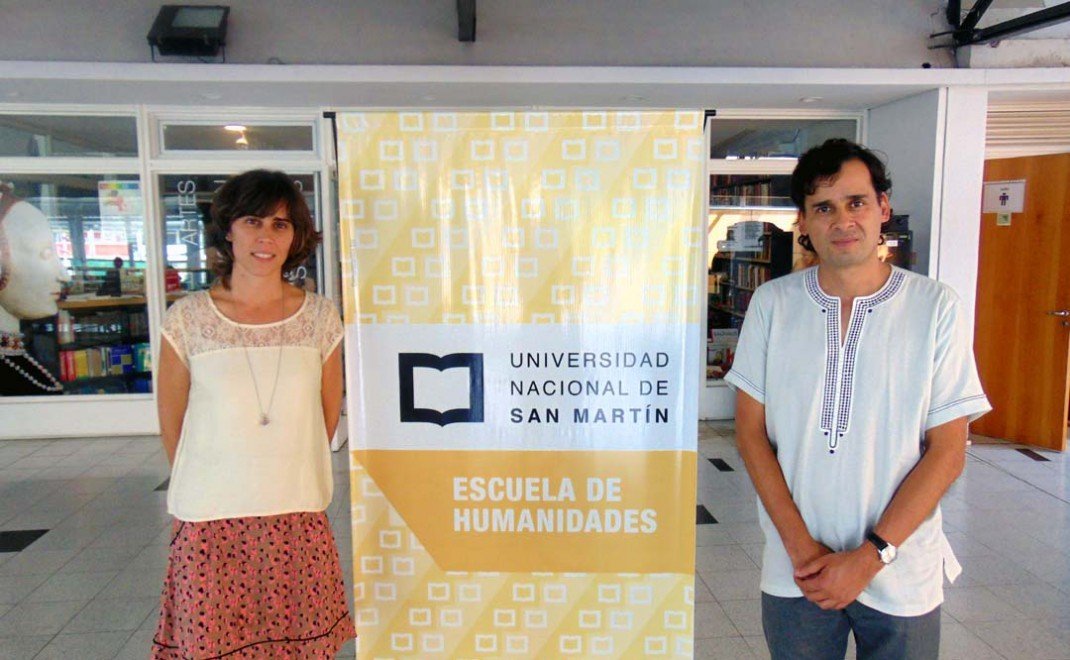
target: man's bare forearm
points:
(920, 492)
(768, 479)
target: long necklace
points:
(265, 419)
(11, 346)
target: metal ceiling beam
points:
(976, 12)
(1031, 21)
(954, 13)
(466, 20)
(964, 31)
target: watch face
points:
(888, 554)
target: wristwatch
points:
(886, 551)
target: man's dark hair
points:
(821, 163)
(258, 193)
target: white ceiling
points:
(453, 95)
(479, 87)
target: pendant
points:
(264, 421)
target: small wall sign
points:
(1003, 197)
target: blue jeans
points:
(796, 629)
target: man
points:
(856, 383)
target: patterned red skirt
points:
(254, 587)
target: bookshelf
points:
(97, 345)
(753, 191)
(752, 253)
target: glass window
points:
(238, 137)
(186, 202)
(736, 139)
(72, 286)
(747, 248)
(46, 135)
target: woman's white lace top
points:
(227, 464)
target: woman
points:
(249, 394)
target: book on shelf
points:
(81, 364)
(101, 361)
(95, 361)
(142, 357)
(720, 351)
(122, 359)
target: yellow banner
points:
(524, 511)
(522, 217)
(523, 295)
(408, 605)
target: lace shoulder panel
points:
(208, 330)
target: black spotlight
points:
(190, 31)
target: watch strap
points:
(876, 540)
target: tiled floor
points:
(88, 587)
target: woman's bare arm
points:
(331, 388)
(172, 396)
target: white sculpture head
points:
(31, 274)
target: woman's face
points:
(35, 274)
(262, 245)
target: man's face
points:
(843, 217)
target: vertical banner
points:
(523, 297)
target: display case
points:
(73, 311)
(99, 345)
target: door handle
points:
(1059, 312)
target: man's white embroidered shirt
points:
(847, 415)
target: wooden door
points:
(1024, 275)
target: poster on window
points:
(120, 199)
(523, 298)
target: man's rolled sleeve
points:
(956, 388)
(748, 367)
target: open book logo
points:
(407, 362)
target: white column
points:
(956, 238)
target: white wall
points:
(796, 33)
(909, 133)
(935, 144)
(957, 241)
(77, 416)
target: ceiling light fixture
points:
(234, 128)
(190, 31)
